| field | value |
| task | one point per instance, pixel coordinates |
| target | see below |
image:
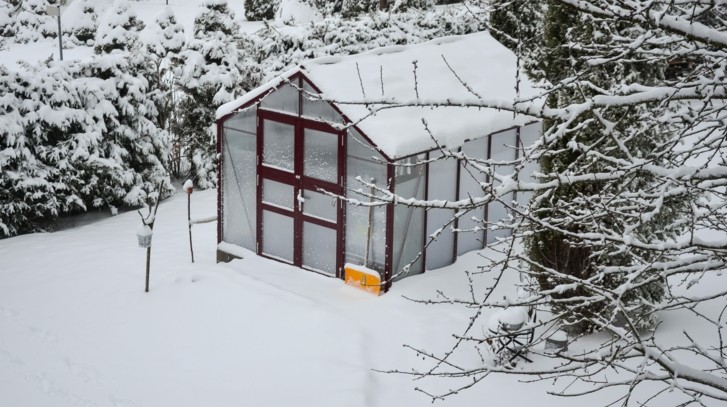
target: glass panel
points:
(319, 205)
(278, 236)
(360, 238)
(409, 222)
(278, 194)
(319, 248)
(365, 226)
(321, 155)
(528, 135)
(285, 99)
(278, 145)
(245, 121)
(318, 109)
(239, 172)
(502, 150)
(497, 212)
(440, 252)
(471, 225)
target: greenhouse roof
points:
(445, 74)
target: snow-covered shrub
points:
(77, 135)
(277, 47)
(80, 22)
(350, 8)
(132, 140)
(50, 148)
(258, 10)
(297, 12)
(212, 75)
(6, 19)
(119, 29)
(31, 23)
(404, 5)
(165, 40)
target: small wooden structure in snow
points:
(283, 153)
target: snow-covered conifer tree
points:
(258, 10)
(165, 40)
(554, 249)
(49, 146)
(80, 22)
(6, 19)
(518, 25)
(212, 75)
(350, 8)
(31, 22)
(131, 138)
(119, 29)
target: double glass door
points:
(300, 171)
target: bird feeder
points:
(144, 234)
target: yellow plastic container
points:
(362, 277)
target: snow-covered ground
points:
(76, 327)
(147, 10)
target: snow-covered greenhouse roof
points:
(458, 69)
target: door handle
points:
(301, 199)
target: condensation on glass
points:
(502, 151)
(239, 172)
(319, 248)
(317, 109)
(410, 182)
(471, 224)
(365, 225)
(278, 145)
(278, 236)
(319, 205)
(528, 135)
(278, 194)
(320, 155)
(442, 188)
(283, 99)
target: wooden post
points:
(188, 188)
(189, 221)
(149, 221)
(148, 267)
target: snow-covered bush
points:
(119, 29)
(6, 19)
(297, 12)
(213, 74)
(165, 40)
(278, 47)
(77, 135)
(258, 10)
(30, 22)
(80, 22)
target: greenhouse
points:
(291, 148)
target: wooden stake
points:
(189, 222)
(149, 221)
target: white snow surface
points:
(77, 329)
(147, 11)
(459, 69)
(296, 12)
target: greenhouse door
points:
(301, 161)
